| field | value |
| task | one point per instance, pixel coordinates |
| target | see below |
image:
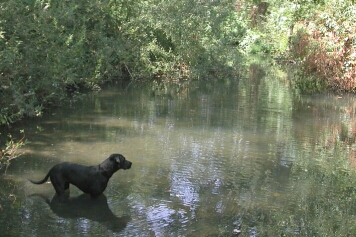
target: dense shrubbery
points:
(46, 47)
(319, 35)
(325, 43)
(50, 47)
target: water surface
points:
(208, 158)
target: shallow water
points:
(208, 159)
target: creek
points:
(209, 159)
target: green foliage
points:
(183, 39)
(318, 34)
(10, 151)
(50, 47)
(306, 84)
(327, 46)
(268, 25)
(47, 47)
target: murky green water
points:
(208, 158)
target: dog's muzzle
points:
(127, 165)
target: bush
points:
(326, 46)
(50, 48)
(10, 151)
(44, 49)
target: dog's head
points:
(120, 161)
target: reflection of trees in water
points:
(211, 154)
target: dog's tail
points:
(41, 181)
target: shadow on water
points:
(85, 207)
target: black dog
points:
(90, 179)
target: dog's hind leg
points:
(59, 185)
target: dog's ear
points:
(119, 158)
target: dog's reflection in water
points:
(83, 206)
